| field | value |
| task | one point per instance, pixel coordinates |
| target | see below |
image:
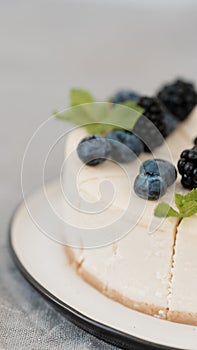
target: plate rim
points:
(96, 328)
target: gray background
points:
(48, 46)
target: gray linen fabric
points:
(46, 47)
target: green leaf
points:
(79, 96)
(100, 117)
(189, 208)
(191, 196)
(92, 116)
(122, 117)
(179, 200)
(187, 205)
(78, 115)
(133, 105)
(164, 210)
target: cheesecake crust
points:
(149, 309)
(189, 318)
(145, 308)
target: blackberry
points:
(151, 127)
(187, 167)
(179, 98)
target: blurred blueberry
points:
(125, 95)
(171, 123)
(125, 146)
(93, 149)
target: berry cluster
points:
(161, 114)
(187, 166)
(174, 102)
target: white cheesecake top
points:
(138, 266)
(184, 273)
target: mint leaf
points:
(179, 200)
(189, 209)
(98, 117)
(79, 96)
(191, 196)
(92, 116)
(133, 105)
(122, 117)
(164, 210)
(187, 205)
(78, 115)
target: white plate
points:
(44, 264)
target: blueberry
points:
(149, 187)
(125, 146)
(160, 167)
(125, 95)
(171, 123)
(150, 167)
(93, 149)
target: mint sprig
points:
(99, 117)
(79, 96)
(186, 204)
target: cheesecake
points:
(117, 245)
